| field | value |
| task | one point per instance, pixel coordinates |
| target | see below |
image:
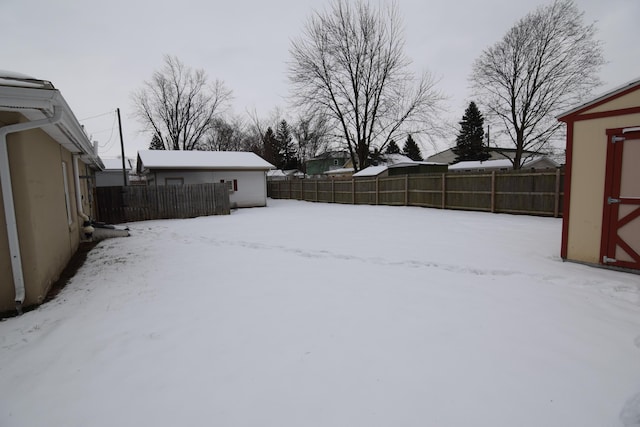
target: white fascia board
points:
(39, 103)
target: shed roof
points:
(617, 91)
(371, 171)
(170, 159)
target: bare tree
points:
(350, 65)
(178, 104)
(231, 134)
(545, 64)
(312, 136)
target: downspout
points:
(87, 229)
(7, 199)
(76, 181)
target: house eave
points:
(600, 99)
(39, 103)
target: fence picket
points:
(117, 205)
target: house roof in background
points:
(276, 173)
(116, 164)
(477, 164)
(171, 159)
(501, 163)
(331, 155)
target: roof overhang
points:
(622, 90)
(39, 103)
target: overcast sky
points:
(98, 52)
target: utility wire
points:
(113, 125)
(96, 116)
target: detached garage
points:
(245, 173)
(601, 222)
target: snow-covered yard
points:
(305, 314)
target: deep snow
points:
(303, 314)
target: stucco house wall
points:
(44, 169)
(47, 240)
(587, 169)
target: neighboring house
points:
(537, 162)
(601, 217)
(495, 153)
(112, 175)
(331, 160)
(244, 172)
(46, 167)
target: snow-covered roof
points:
(371, 171)
(392, 159)
(499, 164)
(14, 75)
(12, 78)
(339, 171)
(414, 163)
(170, 159)
(601, 97)
(477, 164)
(116, 164)
(276, 173)
(38, 99)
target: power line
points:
(96, 116)
(113, 125)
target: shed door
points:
(621, 228)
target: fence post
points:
(316, 182)
(302, 189)
(493, 191)
(556, 208)
(444, 191)
(290, 193)
(333, 191)
(353, 191)
(406, 190)
(377, 189)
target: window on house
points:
(335, 162)
(174, 181)
(67, 199)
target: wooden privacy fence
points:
(532, 193)
(116, 205)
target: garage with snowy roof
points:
(601, 218)
(244, 172)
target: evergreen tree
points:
(286, 150)
(392, 148)
(470, 141)
(411, 150)
(156, 143)
(270, 151)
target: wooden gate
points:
(621, 220)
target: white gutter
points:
(7, 198)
